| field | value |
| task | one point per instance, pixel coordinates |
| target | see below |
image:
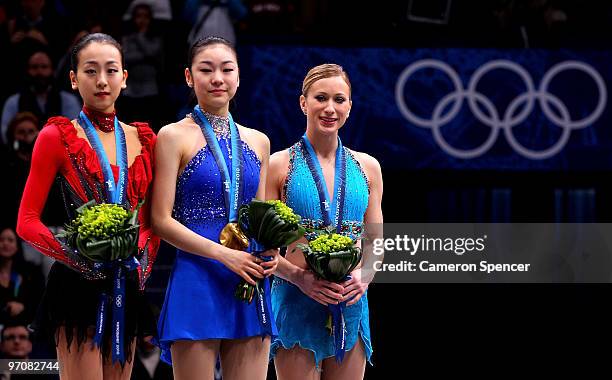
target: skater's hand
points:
(324, 292)
(243, 264)
(270, 265)
(354, 288)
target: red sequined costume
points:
(72, 295)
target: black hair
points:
(18, 259)
(144, 6)
(100, 38)
(38, 49)
(152, 30)
(205, 42)
(14, 322)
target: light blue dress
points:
(200, 302)
(301, 320)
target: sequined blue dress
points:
(200, 302)
(301, 320)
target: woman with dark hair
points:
(329, 185)
(21, 133)
(144, 56)
(21, 283)
(95, 157)
(207, 166)
(20, 137)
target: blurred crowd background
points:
(36, 37)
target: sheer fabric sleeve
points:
(48, 159)
(148, 243)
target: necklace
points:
(103, 121)
(220, 124)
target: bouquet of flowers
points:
(106, 235)
(103, 232)
(332, 257)
(271, 224)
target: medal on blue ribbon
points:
(231, 236)
(115, 193)
(332, 212)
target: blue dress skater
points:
(300, 319)
(200, 302)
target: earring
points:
(305, 113)
(190, 85)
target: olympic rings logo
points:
(119, 300)
(511, 117)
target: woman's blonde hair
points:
(326, 70)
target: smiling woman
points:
(97, 158)
(330, 186)
(208, 166)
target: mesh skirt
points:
(301, 321)
(72, 301)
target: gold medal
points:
(232, 236)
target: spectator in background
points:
(32, 28)
(15, 167)
(21, 283)
(3, 24)
(22, 132)
(213, 18)
(531, 23)
(4, 46)
(144, 56)
(272, 17)
(29, 24)
(16, 343)
(147, 362)
(39, 94)
(161, 9)
(62, 71)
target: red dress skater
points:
(74, 286)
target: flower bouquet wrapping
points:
(106, 235)
(269, 225)
(333, 257)
(103, 232)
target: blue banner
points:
(542, 110)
